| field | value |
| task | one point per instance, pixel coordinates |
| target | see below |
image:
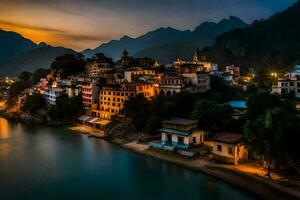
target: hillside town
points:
(125, 102)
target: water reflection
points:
(4, 133)
(54, 163)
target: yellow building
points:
(112, 98)
(131, 74)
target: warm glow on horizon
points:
(81, 24)
(33, 35)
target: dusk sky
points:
(81, 24)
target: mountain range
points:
(273, 43)
(167, 44)
(19, 54)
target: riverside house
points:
(227, 148)
(180, 134)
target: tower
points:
(125, 58)
(195, 56)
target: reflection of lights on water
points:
(3, 129)
(4, 149)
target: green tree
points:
(259, 103)
(68, 64)
(34, 103)
(66, 108)
(212, 116)
(272, 129)
(137, 109)
(40, 73)
(153, 123)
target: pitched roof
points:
(180, 121)
(227, 137)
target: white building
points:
(179, 134)
(289, 83)
(200, 81)
(50, 95)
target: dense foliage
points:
(272, 130)
(212, 116)
(26, 80)
(68, 64)
(34, 103)
(66, 108)
(210, 108)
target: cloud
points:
(80, 37)
(66, 11)
(31, 27)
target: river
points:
(55, 163)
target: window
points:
(230, 150)
(219, 147)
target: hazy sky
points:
(81, 24)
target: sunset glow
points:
(86, 24)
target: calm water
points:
(54, 163)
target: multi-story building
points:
(51, 94)
(148, 90)
(194, 66)
(171, 83)
(290, 83)
(111, 100)
(90, 94)
(132, 74)
(127, 61)
(97, 68)
(197, 82)
(180, 134)
(232, 74)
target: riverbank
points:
(236, 175)
(87, 130)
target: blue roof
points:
(238, 104)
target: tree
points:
(40, 73)
(226, 92)
(68, 64)
(153, 123)
(272, 130)
(34, 103)
(211, 115)
(259, 103)
(25, 76)
(66, 108)
(137, 109)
